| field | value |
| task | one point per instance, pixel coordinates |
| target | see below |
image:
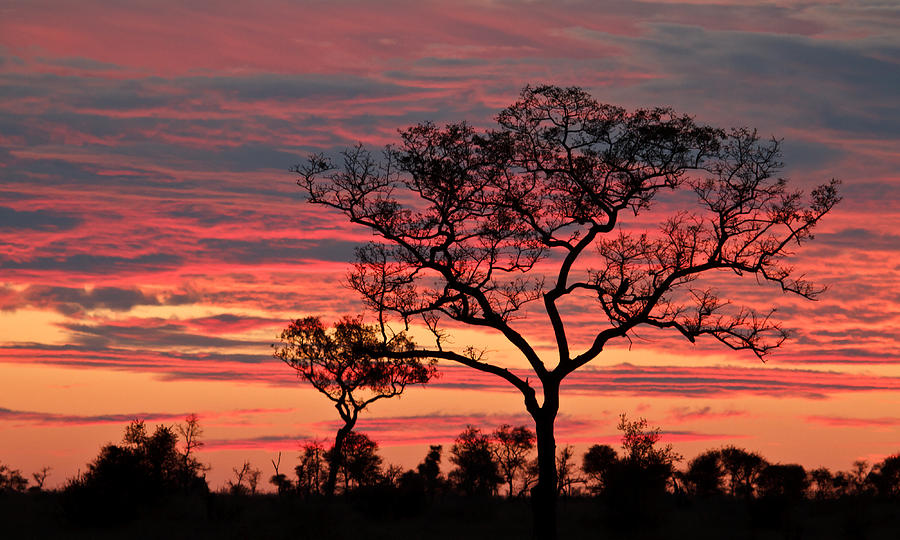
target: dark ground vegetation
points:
(392, 514)
(152, 486)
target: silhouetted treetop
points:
(474, 212)
(11, 479)
(348, 363)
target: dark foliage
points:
(312, 470)
(597, 463)
(885, 477)
(511, 446)
(783, 482)
(360, 464)
(705, 476)
(476, 471)
(11, 480)
(430, 471)
(742, 468)
(125, 479)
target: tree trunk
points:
(336, 458)
(544, 494)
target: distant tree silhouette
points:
(466, 221)
(821, 483)
(788, 482)
(511, 447)
(241, 483)
(360, 464)
(350, 366)
(705, 476)
(639, 444)
(426, 481)
(476, 471)
(146, 469)
(885, 477)
(190, 433)
(643, 473)
(11, 480)
(312, 469)
(742, 469)
(858, 478)
(565, 471)
(596, 464)
(842, 484)
(390, 475)
(40, 477)
(280, 480)
(430, 470)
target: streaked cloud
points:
(50, 419)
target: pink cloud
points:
(845, 421)
(48, 419)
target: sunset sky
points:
(153, 243)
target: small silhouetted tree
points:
(705, 476)
(636, 484)
(40, 477)
(11, 480)
(190, 432)
(476, 227)
(597, 463)
(350, 366)
(885, 477)
(565, 471)
(390, 475)
(312, 469)
(842, 484)
(253, 480)
(430, 470)
(280, 480)
(360, 464)
(822, 483)
(639, 443)
(239, 485)
(644, 471)
(742, 469)
(788, 482)
(511, 448)
(858, 477)
(476, 471)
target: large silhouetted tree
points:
(353, 366)
(477, 227)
